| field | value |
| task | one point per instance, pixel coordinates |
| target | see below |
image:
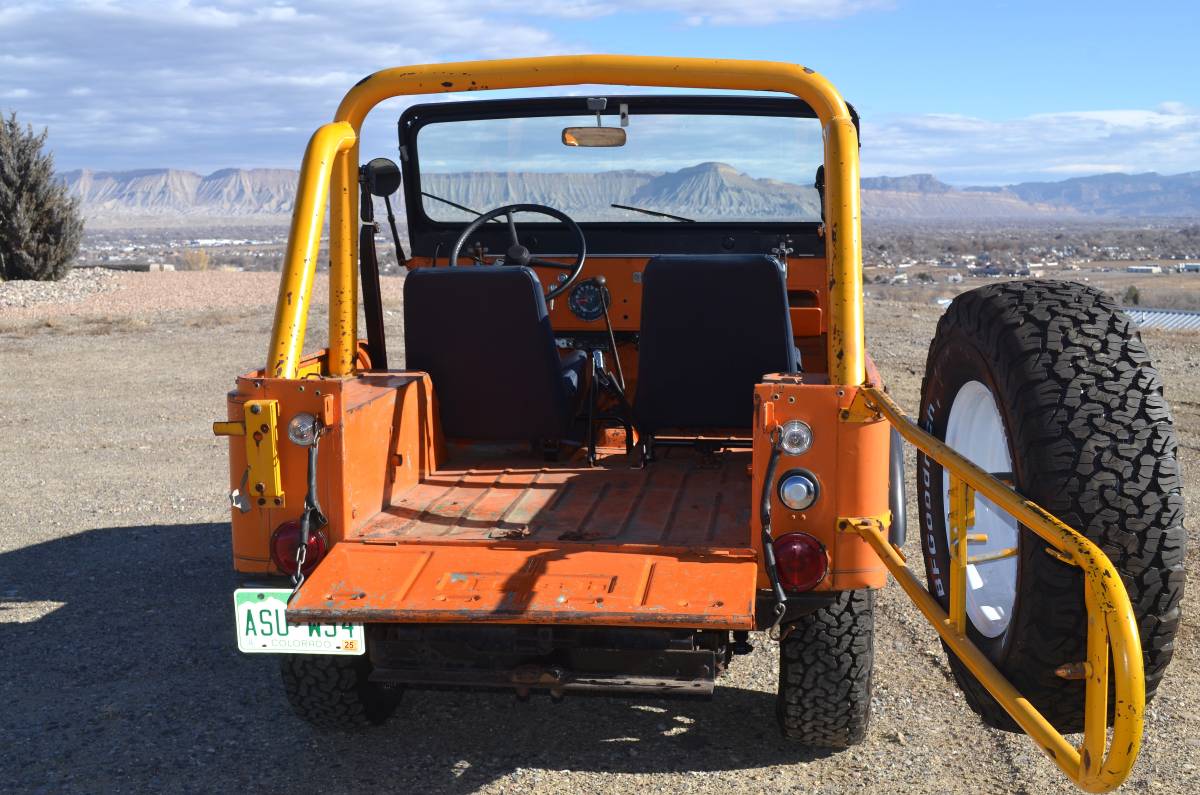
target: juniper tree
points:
(40, 225)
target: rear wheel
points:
(825, 664)
(333, 692)
(1048, 385)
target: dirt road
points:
(120, 672)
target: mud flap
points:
(461, 583)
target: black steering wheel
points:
(518, 254)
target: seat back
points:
(483, 334)
(711, 328)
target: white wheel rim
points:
(976, 430)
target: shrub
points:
(40, 225)
(196, 259)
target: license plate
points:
(261, 627)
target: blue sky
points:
(975, 92)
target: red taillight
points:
(800, 561)
(286, 540)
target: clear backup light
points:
(302, 430)
(798, 490)
(800, 561)
(795, 437)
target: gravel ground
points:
(115, 623)
(77, 285)
(91, 297)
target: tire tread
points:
(825, 667)
(333, 692)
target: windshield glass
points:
(697, 167)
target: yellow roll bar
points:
(331, 164)
(304, 239)
(1112, 627)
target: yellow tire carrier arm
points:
(1112, 625)
(331, 167)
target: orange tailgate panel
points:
(514, 584)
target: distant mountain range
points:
(1127, 195)
(706, 189)
(232, 192)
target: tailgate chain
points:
(768, 539)
(311, 518)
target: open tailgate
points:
(530, 584)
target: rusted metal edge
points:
(663, 620)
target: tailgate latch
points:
(262, 483)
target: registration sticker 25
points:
(262, 627)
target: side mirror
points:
(593, 136)
(383, 177)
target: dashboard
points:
(572, 312)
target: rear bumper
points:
(557, 660)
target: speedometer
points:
(587, 300)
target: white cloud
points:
(761, 12)
(211, 83)
(964, 149)
(214, 83)
(704, 12)
(1082, 169)
(230, 82)
(187, 13)
(18, 13)
(27, 61)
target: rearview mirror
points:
(593, 136)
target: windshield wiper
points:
(654, 213)
(455, 205)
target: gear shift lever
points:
(601, 280)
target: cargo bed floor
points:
(682, 499)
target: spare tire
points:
(1048, 385)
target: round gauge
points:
(587, 300)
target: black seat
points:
(712, 326)
(484, 337)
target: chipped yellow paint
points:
(229, 428)
(343, 259)
(261, 429)
(962, 519)
(988, 557)
(1099, 764)
(849, 524)
(304, 239)
(861, 409)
